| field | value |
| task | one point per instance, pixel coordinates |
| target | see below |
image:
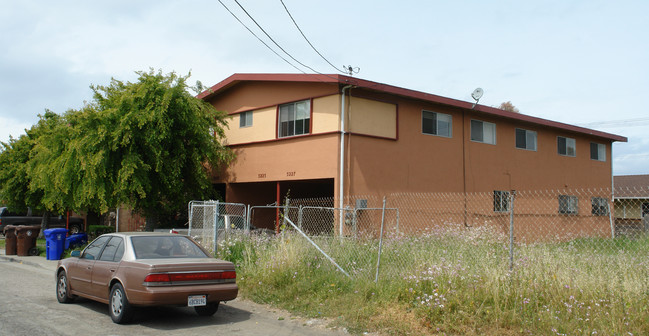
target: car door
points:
(106, 266)
(81, 274)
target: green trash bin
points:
(26, 240)
(10, 239)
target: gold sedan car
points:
(131, 269)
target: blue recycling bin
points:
(54, 243)
(76, 239)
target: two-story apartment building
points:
(334, 136)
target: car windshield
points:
(156, 247)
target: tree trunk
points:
(150, 223)
(45, 224)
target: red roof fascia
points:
(369, 85)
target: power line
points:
(277, 44)
(307, 40)
(260, 40)
(617, 123)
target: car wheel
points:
(63, 288)
(208, 310)
(74, 229)
(119, 308)
(34, 251)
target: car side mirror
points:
(76, 254)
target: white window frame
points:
(530, 136)
(294, 119)
(487, 128)
(600, 154)
(245, 119)
(568, 143)
(501, 201)
(568, 205)
(599, 206)
(439, 119)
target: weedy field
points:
(453, 284)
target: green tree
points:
(148, 144)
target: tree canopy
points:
(149, 145)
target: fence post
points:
(191, 215)
(216, 225)
(511, 229)
(378, 261)
(610, 219)
(285, 212)
(299, 217)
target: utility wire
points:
(307, 40)
(260, 40)
(277, 44)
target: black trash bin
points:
(26, 240)
(10, 239)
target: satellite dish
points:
(477, 94)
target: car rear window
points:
(157, 247)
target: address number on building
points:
(290, 173)
(261, 175)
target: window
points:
(525, 139)
(112, 250)
(92, 251)
(600, 206)
(483, 131)
(245, 119)
(436, 123)
(294, 119)
(501, 201)
(597, 152)
(566, 146)
(568, 205)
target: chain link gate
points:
(210, 221)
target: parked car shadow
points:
(173, 318)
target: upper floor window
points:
(525, 139)
(483, 131)
(245, 119)
(566, 146)
(436, 123)
(597, 151)
(294, 119)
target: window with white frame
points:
(597, 152)
(525, 139)
(482, 131)
(600, 206)
(501, 201)
(436, 123)
(568, 205)
(294, 119)
(245, 119)
(566, 146)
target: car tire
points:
(74, 229)
(63, 288)
(119, 308)
(207, 310)
(34, 251)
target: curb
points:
(20, 261)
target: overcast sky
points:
(578, 62)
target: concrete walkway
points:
(29, 260)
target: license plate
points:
(196, 300)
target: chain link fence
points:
(409, 234)
(211, 221)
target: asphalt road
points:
(28, 306)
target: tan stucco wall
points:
(326, 114)
(371, 117)
(299, 158)
(263, 127)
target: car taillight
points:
(186, 278)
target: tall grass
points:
(451, 284)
